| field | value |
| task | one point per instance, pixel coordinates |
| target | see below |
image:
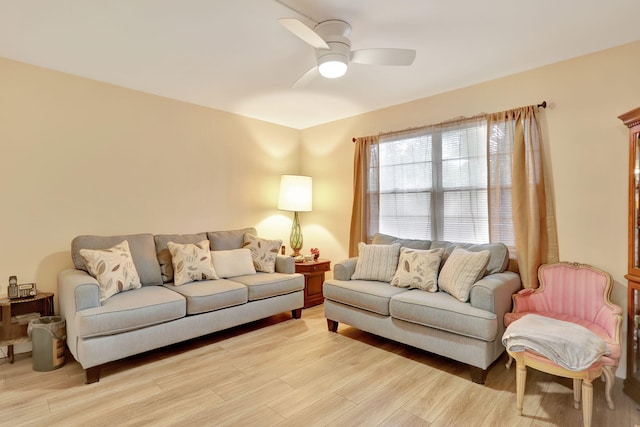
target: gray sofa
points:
(469, 332)
(158, 313)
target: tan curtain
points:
(364, 215)
(514, 135)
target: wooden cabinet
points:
(16, 316)
(632, 382)
(313, 279)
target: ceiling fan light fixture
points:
(332, 65)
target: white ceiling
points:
(233, 55)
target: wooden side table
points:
(313, 279)
(13, 328)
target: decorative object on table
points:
(316, 253)
(295, 196)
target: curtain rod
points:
(543, 104)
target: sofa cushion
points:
(418, 269)
(230, 239)
(191, 262)
(365, 294)
(265, 285)
(163, 254)
(233, 262)
(143, 251)
(461, 271)
(113, 268)
(498, 259)
(385, 239)
(127, 311)
(264, 252)
(376, 262)
(442, 311)
(210, 295)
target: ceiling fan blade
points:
(384, 56)
(306, 78)
(303, 32)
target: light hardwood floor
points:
(288, 372)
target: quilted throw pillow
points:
(191, 262)
(264, 252)
(113, 268)
(461, 270)
(376, 262)
(418, 269)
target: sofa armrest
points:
(285, 264)
(343, 270)
(77, 290)
(493, 292)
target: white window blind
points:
(500, 151)
(433, 183)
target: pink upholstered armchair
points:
(576, 293)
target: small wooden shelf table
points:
(13, 330)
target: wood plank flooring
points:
(288, 372)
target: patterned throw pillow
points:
(264, 252)
(376, 262)
(113, 268)
(461, 270)
(418, 269)
(191, 262)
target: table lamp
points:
(295, 196)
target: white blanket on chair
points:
(567, 344)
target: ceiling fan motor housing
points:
(336, 34)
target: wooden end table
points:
(313, 279)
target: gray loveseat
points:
(469, 332)
(158, 313)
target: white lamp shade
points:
(295, 193)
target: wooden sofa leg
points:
(92, 375)
(332, 325)
(297, 313)
(478, 375)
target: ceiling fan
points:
(333, 49)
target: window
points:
(433, 183)
(479, 180)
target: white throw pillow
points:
(376, 262)
(264, 252)
(418, 269)
(461, 270)
(191, 262)
(232, 263)
(113, 268)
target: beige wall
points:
(82, 157)
(585, 141)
